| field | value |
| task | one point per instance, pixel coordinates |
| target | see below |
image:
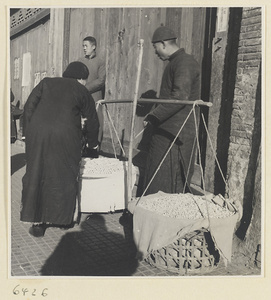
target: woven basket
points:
(191, 254)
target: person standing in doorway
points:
(97, 76)
(15, 114)
(181, 81)
(52, 130)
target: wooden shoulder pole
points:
(131, 142)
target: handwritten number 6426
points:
(16, 291)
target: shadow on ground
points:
(17, 162)
(93, 251)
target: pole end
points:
(141, 42)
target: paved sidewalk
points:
(98, 246)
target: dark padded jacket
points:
(181, 80)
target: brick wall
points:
(245, 139)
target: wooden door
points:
(117, 31)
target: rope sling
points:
(196, 142)
(132, 136)
(196, 103)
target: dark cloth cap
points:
(76, 70)
(163, 33)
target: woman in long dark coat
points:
(52, 127)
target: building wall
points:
(28, 58)
(52, 44)
(118, 31)
(222, 84)
(244, 160)
(36, 53)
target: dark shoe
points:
(126, 219)
(37, 230)
(67, 227)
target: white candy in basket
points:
(184, 206)
(102, 166)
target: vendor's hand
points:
(151, 119)
(90, 152)
(83, 121)
(145, 123)
(93, 153)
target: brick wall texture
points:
(243, 114)
(244, 152)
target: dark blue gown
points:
(52, 129)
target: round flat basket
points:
(191, 254)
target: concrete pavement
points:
(98, 246)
